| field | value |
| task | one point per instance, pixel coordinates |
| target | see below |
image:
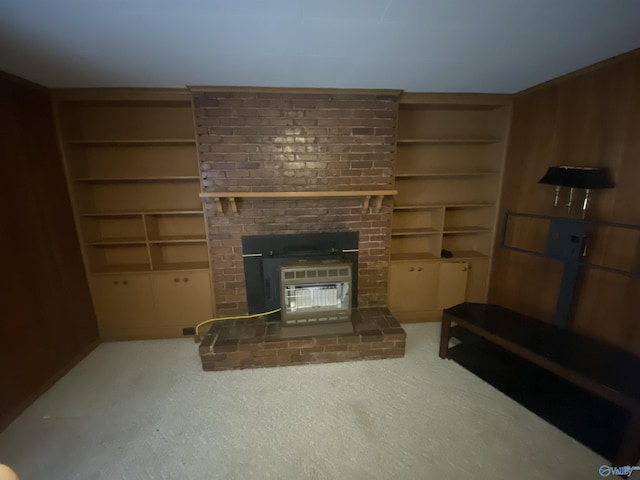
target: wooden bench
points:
(605, 371)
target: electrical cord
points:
(237, 317)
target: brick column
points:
(296, 141)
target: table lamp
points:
(585, 178)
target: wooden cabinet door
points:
(122, 302)
(183, 299)
(413, 289)
(452, 283)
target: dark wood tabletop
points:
(608, 372)
(607, 365)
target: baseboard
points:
(141, 333)
(6, 419)
(422, 316)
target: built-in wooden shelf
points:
(146, 268)
(466, 255)
(442, 205)
(123, 268)
(449, 157)
(144, 97)
(465, 229)
(469, 205)
(179, 239)
(175, 267)
(457, 255)
(417, 207)
(183, 178)
(447, 141)
(450, 107)
(415, 231)
(108, 242)
(133, 142)
(139, 213)
(398, 257)
(131, 162)
(366, 194)
(453, 101)
(172, 212)
(442, 174)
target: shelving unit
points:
(449, 157)
(134, 179)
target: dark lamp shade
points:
(577, 177)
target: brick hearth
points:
(238, 344)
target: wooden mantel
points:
(366, 194)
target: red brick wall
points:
(284, 141)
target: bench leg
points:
(629, 449)
(444, 335)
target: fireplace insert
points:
(312, 293)
(265, 256)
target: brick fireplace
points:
(273, 140)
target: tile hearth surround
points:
(274, 140)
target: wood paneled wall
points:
(46, 316)
(588, 119)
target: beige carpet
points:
(145, 410)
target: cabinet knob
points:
(186, 279)
(176, 279)
(115, 282)
(411, 269)
(419, 269)
(124, 282)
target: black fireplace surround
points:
(264, 254)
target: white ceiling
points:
(416, 45)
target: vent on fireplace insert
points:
(315, 293)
